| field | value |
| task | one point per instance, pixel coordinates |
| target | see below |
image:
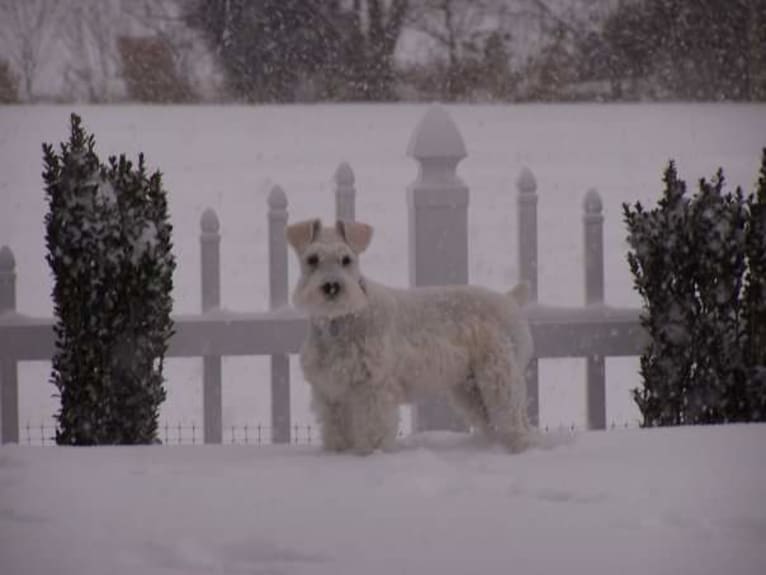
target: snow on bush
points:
(755, 288)
(698, 264)
(108, 240)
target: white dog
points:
(372, 347)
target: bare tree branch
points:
(27, 33)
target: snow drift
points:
(683, 500)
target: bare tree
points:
(149, 70)
(284, 50)
(364, 35)
(95, 70)
(89, 34)
(384, 26)
(9, 92)
(27, 33)
(491, 47)
(461, 29)
(167, 20)
(457, 25)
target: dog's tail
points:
(520, 332)
(520, 293)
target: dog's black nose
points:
(331, 289)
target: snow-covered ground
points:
(684, 500)
(227, 158)
(670, 501)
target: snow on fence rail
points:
(438, 254)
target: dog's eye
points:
(312, 261)
(345, 261)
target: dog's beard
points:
(310, 298)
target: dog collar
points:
(328, 328)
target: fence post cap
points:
(344, 175)
(277, 198)
(592, 202)
(436, 136)
(208, 223)
(526, 182)
(7, 261)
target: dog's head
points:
(330, 284)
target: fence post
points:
(9, 380)
(438, 227)
(595, 372)
(527, 225)
(212, 405)
(345, 193)
(280, 363)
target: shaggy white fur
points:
(371, 348)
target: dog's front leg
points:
(374, 418)
(334, 420)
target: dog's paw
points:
(516, 441)
(335, 444)
(335, 448)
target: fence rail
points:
(438, 203)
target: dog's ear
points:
(303, 233)
(355, 234)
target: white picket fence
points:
(438, 255)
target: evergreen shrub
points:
(699, 264)
(109, 248)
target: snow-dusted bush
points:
(108, 240)
(698, 264)
(755, 290)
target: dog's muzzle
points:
(331, 289)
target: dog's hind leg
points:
(503, 392)
(466, 399)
